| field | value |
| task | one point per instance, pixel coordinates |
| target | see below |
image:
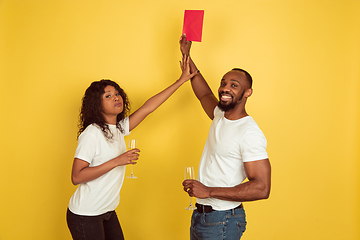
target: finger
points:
(187, 189)
(134, 159)
(188, 62)
(186, 59)
(186, 182)
(134, 150)
(193, 74)
(182, 38)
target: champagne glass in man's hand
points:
(189, 174)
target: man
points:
(235, 149)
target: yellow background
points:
(304, 57)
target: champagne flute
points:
(189, 174)
(132, 145)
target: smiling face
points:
(233, 87)
(111, 104)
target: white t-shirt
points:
(230, 143)
(102, 194)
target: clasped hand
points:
(196, 189)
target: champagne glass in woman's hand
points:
(132, 145)
(189, 174)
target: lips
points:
(117, 105)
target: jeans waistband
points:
(207, 209)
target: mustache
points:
(222, 92)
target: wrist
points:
(180, 81)
(210, 192)
(118, 161)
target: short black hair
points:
(248, 76)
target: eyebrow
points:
(116, 91)
(232, 80)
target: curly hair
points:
(91, 109)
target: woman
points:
(101, 156)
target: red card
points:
(193, 25)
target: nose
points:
(225, 88)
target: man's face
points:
(231, 90)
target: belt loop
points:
(233, 211)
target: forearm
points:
(203, 92)
(248, 191)
(198, 83)
(152, 104)
(88, 174)
(155, 101)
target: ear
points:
(248, 92)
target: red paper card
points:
(193, 25)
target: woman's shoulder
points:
(92, 129)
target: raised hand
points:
(185, 68)
(185, 45)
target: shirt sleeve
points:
(125, 124)
(86, 148)
(253, 146)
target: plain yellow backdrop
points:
(304, 57)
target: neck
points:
(235, 115)
(238, 111)
(110, 119)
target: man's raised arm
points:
(199, 85)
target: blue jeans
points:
(103, 227)
(218, 225)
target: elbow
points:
(265, 193)
(75, 181)
(148, 108)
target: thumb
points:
(194, 73)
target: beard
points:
(230, 105)
(226, 107)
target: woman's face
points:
(112, 103)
